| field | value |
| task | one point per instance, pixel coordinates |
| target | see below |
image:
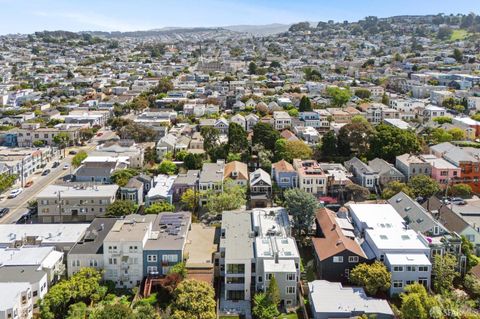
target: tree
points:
(7, 181)
(167, 167)
(288, 150)
(468, 249)
(78, 158)
(428, 302)
(146, 311)
(164, 85)
(139, 103)
(179, 269)
(442, 120)
(62, 140)
(116, 311)
(363, 93)
(458, 55)
(193, 161)
(388, 142)
(339, 96)
(328, 149)
(193, 299)
(394, 188)
(305, 104)
(237, 138)
(457, 134)
(273, 292)
(210, 137)
(252, 68)
(373, 278)
(121, 208)
(302, 206)
(190, 199)
(412, 307)
(423, 186)
(357, 192)
(157, 208)
(122, 176)
(354, 138)
(263, 308)
(444, 33)
(460, 190)
(444, 272)
(266, 135)
(77, 311)
(232, 197)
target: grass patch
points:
(459, 34)
(292, 315)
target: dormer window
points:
(436, 230)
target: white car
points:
(14, 193)
(65, 166)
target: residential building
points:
(284, 175)
(443, 172)
(332, 300)
(16, 300)
(281, 120)
(363, 174)
(162, 190)
(387, 173)
(412, 165)
(211, 177)
(237, 172)
(260, 189)
(58, 203)
(183, 182)
(311, 177)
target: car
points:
(29, 183)
(55, 165)
(14, 193)
(46, 172)
(65, 166)
(458, 201)
(4, 211)
(72, 152)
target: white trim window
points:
(152, 258)
(353, 259)
(398, 284)
(290, 290)
(397, 268)
(338, 259)
(291, 277)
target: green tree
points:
(78, 158)
(442, 119)
(354, 138)
(468, 249)
(412, 307)
(167, 167)
(339, 96)
(179, 269)
(232, 197)
(394, 188)
(116, 311)
(193, 161)
(302, 206)
(457, 134)
(424, 186)
(328, 149)
(288, 150)
(145, 311)
(358, 193)
(7, 181)
(460, 190)
(193, 299)
(121, 208)
(305, 104)
(388, 142)
(159, 207)
(62, 140)
(363, 93)
(457, 55)
(237, 138)
(444, 272)
(122, 176)
(273, 292)
(263, 308)
(190, 199)
(164, 85)
(210, 136)
(266, 135)
(77, 311)
(374, 278)
(252, 68)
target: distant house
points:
(387, 173)
(237, 171)
(281, 120)
(284, 174)
(221, 125)
(132, 191)
(260, 189)
(183, 182)
(412, 165)
(335, 247)
(363, 174)
(240, 120)
(251, 121)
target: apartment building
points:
(412, 165)
(281, 120)
(387, 238)
(24, 162)
(58, 203)
(30, 133)
(16, 300)
(255, 246)
(311, 177)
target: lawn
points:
(459, 34)
(288, 316)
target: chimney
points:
(334, 226)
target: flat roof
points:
(395, 238)
(408, 259)
(238, 242)
(200, 245)
(282, 265)
(10, 293)
(24, 256)
(169, 231)
(51, 191)
(377, 215)
(47, 233)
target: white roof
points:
(396, 239)
(283, 265)
(163, 184)
(10, 293)
(47, 233)
(408, 259)
(51, 191)
(24, 256)
(377, 215)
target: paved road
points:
(18, 205)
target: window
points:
(285, 180)
(152, 269)
(397, 284)
(170, 258)
(291, 277)
(471, 238)
(436, 230)
(338, 259)
(353, 259)
(397, 268)
(236, 268)
(422, 268)
(290, 290)
(235, 280)
(112, 261)
(411, 268)
(76, 263)
(152, 258)
(93, 263)
(423, 281)
(235, 295)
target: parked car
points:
(458, 201)
(72, 152)
(14, 193)
(29, 183)
(46, 172)
(4, 211)
(65, 166)
(55, 164)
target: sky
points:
(27, 16)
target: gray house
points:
(412, 165)
(132, 191)
(363, 174)
(387, 173)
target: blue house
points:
(10, 139)
(284, 174)
(311, 119)
(165, 247)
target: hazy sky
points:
(26, 16)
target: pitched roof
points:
(289, 135)
(236, 166)
(283, 166)
(448, 218)
(334, 240)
